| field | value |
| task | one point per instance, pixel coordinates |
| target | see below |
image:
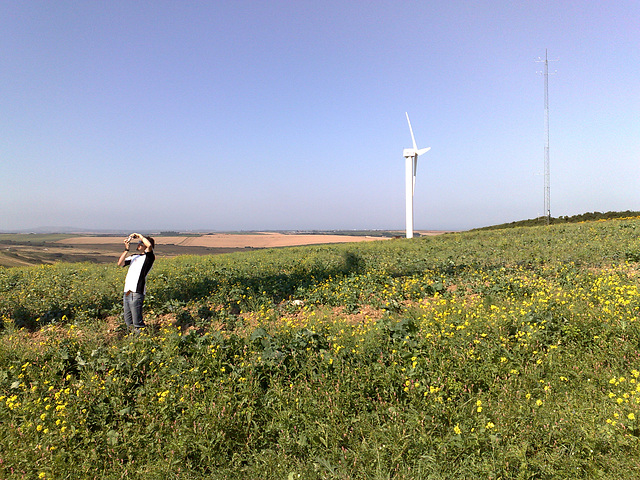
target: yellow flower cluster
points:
(625, 392)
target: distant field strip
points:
(226, 240)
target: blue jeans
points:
(133, 310)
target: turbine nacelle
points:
(411, 152)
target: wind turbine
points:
(411, 165)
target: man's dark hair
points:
(153, 242)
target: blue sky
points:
(267, 115)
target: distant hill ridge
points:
(534, 222)
(585, 217)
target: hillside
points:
(506, 354)
(584, 217)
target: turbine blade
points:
(423, 150)
(415, 147)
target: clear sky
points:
(268, 115)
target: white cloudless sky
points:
(268, 115)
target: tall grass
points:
(501, 354)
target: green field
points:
(500, 354)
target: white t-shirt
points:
(139, 266)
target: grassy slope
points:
(500, 354)
(584, 217)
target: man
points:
(135, 283)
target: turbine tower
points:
(411, 165)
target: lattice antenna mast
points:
(547, 169)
